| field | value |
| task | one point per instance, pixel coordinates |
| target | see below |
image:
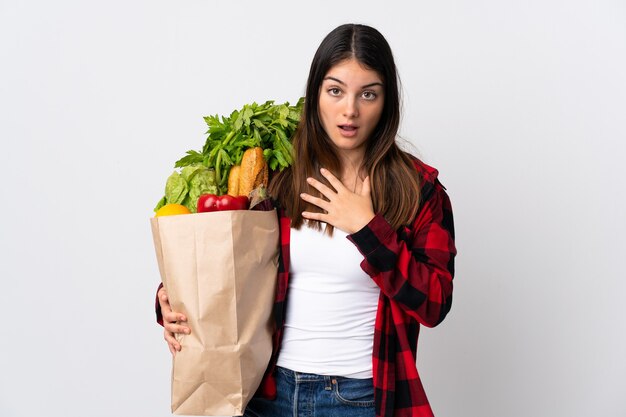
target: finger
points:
(171, 339)
(172, 349)
(322, 188)
(314, 216)
(177, 328)
(164, 303)
(334, 181)
(319, 202)
(366, 189)
(168, 315)
(172, 343)
(171, 316)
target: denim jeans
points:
(309, 395)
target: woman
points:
(369, 253)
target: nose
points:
(351, 108)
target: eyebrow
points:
(365, 86)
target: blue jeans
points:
(309, 395)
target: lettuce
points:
(186, 186)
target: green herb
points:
(268, 125)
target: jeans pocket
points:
(355, 392)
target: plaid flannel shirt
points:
(414, 268)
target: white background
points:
(519, 104)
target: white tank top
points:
(331, 307)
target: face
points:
(350, 105)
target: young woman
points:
(367, 247)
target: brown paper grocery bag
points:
(219, 269)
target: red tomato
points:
(212, 202)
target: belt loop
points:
(327, 383)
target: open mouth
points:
(348, 131)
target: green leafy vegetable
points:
(202, 182)
(186, 186)
(268, 125)
(176, 189)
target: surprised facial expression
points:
(350, 105)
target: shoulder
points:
(428, 177)
(425, 171)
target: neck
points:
(350, 175)
(351, 163)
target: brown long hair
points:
(393, 178)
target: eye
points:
(334, 91)
(369, 95)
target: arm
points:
(414, 267)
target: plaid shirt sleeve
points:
(413, 267)
(157, 306)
